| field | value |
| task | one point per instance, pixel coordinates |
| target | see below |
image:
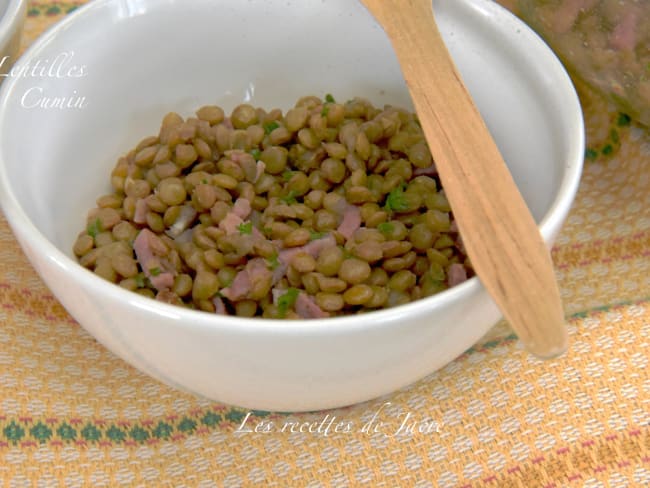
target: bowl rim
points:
(11, 16)
(24, 228)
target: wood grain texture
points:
(499, 232)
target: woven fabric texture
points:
(72, 414)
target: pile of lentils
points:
(328, 209)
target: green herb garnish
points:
(329, 98)
(613, 135)
(287, 175)
(289, 198)
(386, 227)
(395, 201)
(313, 235)
(140, 280)
(273, 262)
(204, 181)
(286, 301)
(256, 153)
(325, 111)
(624, 119)
(95, 228)
(245, 228)
(271, 126)
(608, 149)
(591, 154)
(155, 271)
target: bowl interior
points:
(112, 77)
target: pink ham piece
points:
(623, 37)
(313, 248)
(149, 261)
(456, 274)
(258, 268)
(565, 15)
(255, 270)
(242, 208)
(219, 306)
(184, 220)
(230, 223)
(259, 170)
(307, 308)
(233, 219)
(428, 171)
(351, 221)
(141, 209)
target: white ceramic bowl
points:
(130, 62)
(12, 18)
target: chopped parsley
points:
(287, 175)
(256, 153)
(624, 119)
(313, 235)
(273, 262)
(140, 280)
(155, 271)
(608, 149)
(245, 228)
(94, 228)
(204, 181)
(289, 198)
(386, 227)
(395, 201)
(271, 126)
(286, 301)
(325, 111)
(329, 98)
(591, 154)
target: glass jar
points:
(605, 43)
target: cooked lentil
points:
(330, 209)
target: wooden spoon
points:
(499, 233)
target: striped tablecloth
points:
(72, 414)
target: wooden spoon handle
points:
(499, 233)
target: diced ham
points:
(141, 208)
(456, 274)
(185, 219)
(242, 208)
(219, 306)
(313, 248)
(351, 221)
(567, 12)
(168, 296)
(259, 170)
(233, 219)
(246, 162)
(254, 271)
(184, 237)
(239, 288)
(230, 223)
(428, 171)
(258, 268)
(149, 261)
(307, 308)
(623, 36)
